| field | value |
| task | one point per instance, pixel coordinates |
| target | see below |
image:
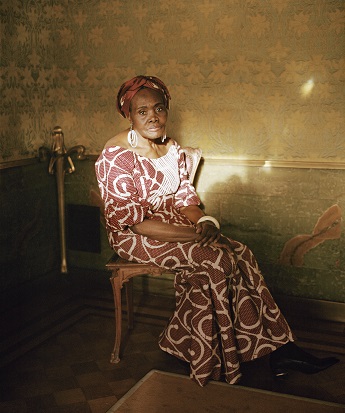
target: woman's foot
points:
(291, 357)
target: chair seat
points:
(128, 269)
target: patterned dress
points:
(224, 312)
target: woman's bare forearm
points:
(164, 232)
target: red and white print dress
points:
(224, 312)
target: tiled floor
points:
(70, 372)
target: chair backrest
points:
(193, 156)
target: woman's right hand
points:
(208, 233)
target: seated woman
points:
(224, 315)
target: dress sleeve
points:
(186, 194)
(123, 207)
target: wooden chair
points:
(123, 271)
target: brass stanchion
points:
(58, 156)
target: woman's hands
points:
(208, 233)
(204, 233)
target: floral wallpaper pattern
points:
(249, 79)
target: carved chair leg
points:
(116, 285)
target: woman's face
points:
(148, 113)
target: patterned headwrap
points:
(132, 86)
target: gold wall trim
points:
(261, 163)
(215, 161)
(274, 164)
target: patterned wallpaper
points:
(249, 79)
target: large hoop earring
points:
(132, 137)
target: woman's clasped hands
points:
(210, 235)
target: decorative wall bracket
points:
(59, 156)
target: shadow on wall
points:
(328, 227)
(295, 234)
(96, 200)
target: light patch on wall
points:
(268, 165)
(307, 88)
(214, 176)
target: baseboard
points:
(317, 324)
(313, 308)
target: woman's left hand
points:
(208, 233)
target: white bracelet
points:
(209, 218)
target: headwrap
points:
(132, 86)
